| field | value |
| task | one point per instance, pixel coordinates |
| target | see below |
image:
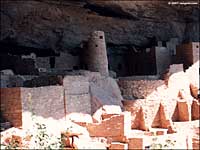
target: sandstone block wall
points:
(67, 61)
(11, 107)
(18, 104)
(163, 59)
(138, 88)
(78, 103)
(96, 55)
(188, 54)
(76, 85)
(77, 96)
(44, 101)
(113, 126)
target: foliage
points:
(43, 140)
(167, 144)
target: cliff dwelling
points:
(91, 74)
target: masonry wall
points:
(96, 55)
(23, 66)
(11, 107)
(18, 104)
(163, 59)
(138, 88)
(67, 61)
(42, 62)
(188, 54)
(76, 94)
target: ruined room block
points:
(19, 104)
(76, 85)
(163, 59)
(78, 103)
(118, 145)
(189, 53)
(195, 109)
(96, 55)
(138, 88)
(114, 126)
(184, 110)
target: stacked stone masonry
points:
(77, 97)
(11, 107)
(19, 104)
(96, 55)
(188, 54)
(138, 88)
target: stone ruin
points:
(134, 112)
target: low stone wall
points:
(138, 88)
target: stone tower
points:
(96, 57)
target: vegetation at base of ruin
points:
(42, 139)
(10, 144)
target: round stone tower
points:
(96, 53)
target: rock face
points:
(65, 24)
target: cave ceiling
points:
(62, 25)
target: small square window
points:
(101, 37)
